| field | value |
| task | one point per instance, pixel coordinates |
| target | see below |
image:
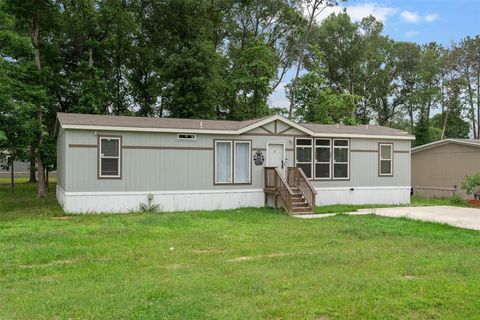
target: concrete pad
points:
(468, 218)
(314, 216)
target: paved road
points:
(468, 218)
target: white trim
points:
(101, 156)
(380, 160)
(235, 142)
(231, 162)
(237, 132)
(284, 155)
(334, 162)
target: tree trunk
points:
(12, 176)
(33, 176)
(35, 30)
(445, 121)
(472, 109)
(301, 55)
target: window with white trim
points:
(341, 159)
(109, 157)
(223, 162)
(233, 161)
(385, 156)
(242, 156)
(303, 155)
(323, 151)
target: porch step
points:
(302, 210)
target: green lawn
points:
(240, 264)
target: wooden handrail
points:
(279, 186)
(307, 181)
(297, 178)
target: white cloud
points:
(410, 17)
(411, 33)
(359, 11)
(431, 17)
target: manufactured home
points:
(439, 168)
(117, 163)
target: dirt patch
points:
(259, 257)
(62, 218)
(200, 251)
(53, 263)
(176, 266)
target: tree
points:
(315, 102)
(314, 8)
(30, 19)
(250, 80)
(427, 91)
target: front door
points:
(276, 156)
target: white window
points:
(109, 157)
(233, 162)
(242, 158)
(323, 151)
(223, 161)
(303, 155)
(183, 136)
(385, 159)
(341, 159)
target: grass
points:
(415, 201)
(239, 264)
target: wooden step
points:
(300, 204)
(302, 210)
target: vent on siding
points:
(183, 136)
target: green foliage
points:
(471, 184)
(315, 102)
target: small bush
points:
(471, 184)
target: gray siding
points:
(175, 170)
(364, 166)
(62, 168)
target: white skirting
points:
(363, 195)
(119, 202)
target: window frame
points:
(249, 142)
(100, 176)
(315, 162)
(233, 143)
(312, 161)
(380, 144)
(348, 158)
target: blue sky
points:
(420, 21)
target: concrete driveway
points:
(468, 218)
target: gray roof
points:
(358, 129)
(199, 124)
(144, 122)
(467, 142)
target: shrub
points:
(471, 183)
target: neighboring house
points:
(21, 169)
(113, 163)
(439, 168)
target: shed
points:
(439, 168)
